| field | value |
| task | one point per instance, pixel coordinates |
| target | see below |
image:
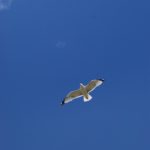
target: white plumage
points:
(83, 91)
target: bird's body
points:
(83, 91)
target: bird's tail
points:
(87, 99)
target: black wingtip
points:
(62, 103)
(101, 80)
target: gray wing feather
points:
(93, 84)
(72, 95)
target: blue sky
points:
(48, 47)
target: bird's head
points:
(81, 85)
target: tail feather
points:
(87, 99)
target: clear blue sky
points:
(47, 47)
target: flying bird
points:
(83, 91)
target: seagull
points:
(83, 91)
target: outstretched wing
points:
(93, 84)
(71, 96)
